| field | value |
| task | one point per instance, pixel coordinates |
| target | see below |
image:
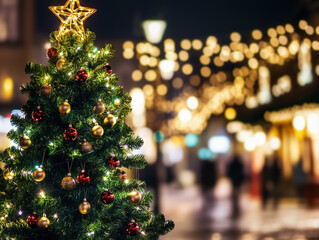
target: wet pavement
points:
(291, 221)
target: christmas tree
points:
(63, 179)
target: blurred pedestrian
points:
(236, 175)
(300, 179)
(270, 182)
(208, 179)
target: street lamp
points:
(154, 30)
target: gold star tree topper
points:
(72, 16)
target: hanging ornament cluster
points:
(32, 220)
(46, 90)
(70, 134)
(39, 174)
(25, 142)
(43, 222)
(83, 178)
(68, 183)
(8, 174)
(82, 75)
(113, 162)
(135, 197)
(65, 107)
(38, 115)
(97, 131)
(109, 120)
(52, 53)
(132, 229)
(86, 147)
(84, 207)
(107, 197)
(99, 108)
(108, 68)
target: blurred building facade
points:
(16, 39)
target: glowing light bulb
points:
(250, 144)
(42, 194)
(299, 123)
(192, 103)
(185, 115)
(117, 101)
(260, 138)
(275, 143)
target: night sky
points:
(122, 18)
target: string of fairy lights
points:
(210, 77)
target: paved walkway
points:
(289, 222)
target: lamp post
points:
(154, 31)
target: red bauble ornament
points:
(132, 229)
(107, 197)
(52, 53)
(83, 178)
(32, 220)
(108, 68)
(38, 115)
(123, 175)
(70, 134)
(113, 162)
(82, 75)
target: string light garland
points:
(213, 85)
(72, 16)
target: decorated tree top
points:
(72, 16)
(64, 179)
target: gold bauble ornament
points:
(8, 174)
(25, 142)
(39, 174)
(110, 120)
(65, 107)
(86, 146)
(135, 197)
(99, 108)
(97, 131)
(84, 207)
(43, 222)
(68, 183)
(60, 64)
(46, 90)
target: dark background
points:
(122, 19)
